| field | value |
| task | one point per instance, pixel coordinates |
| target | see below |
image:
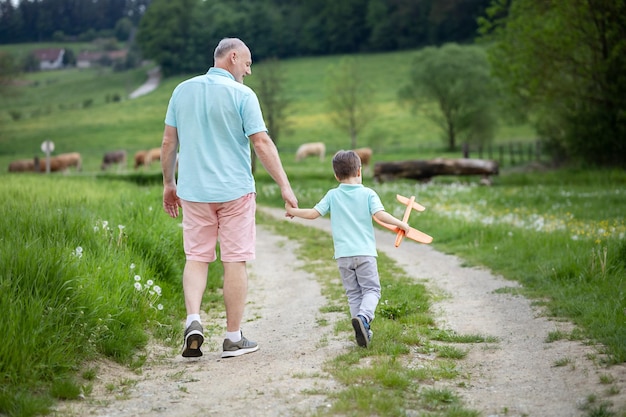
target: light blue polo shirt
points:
(214, 116)
(351, 207)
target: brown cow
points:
(22, 165)
(365, 154)
(140, 158)
(114, 157)
(311, 149)
(62, 162)
(154, 154)
(145, 158)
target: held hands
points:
(289, 210)
(291, 201)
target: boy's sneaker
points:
(232, 349)
(361, 331)
(194, 338)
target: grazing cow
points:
(140, 158)
(114, 157)
(63, 162)
(153, 154)
(60, 162)
(22, 165)
(311, 149)
(365, 154)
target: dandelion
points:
(132, 266)
(157, 289)
(78, 252)
(121, 227)
(105, 224)
(137, 278)
(149, 283)
(160, 307)
(138, 286)
(96, 228)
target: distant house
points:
(49, 59)
(88, 59)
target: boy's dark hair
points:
(346, 164)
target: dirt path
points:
(514, 377)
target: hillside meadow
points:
(83, 251)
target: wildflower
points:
(157, 289)
(121, 227)
(160, 307)
(132, 266)
(149, 283)
(105, 224)
(137, 278)
(138, 286)
(78, 252)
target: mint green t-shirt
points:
(214, 115)
(351, 207)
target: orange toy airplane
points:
(414, 234)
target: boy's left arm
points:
(385, 217)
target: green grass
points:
(385, 379)
(53, 108)
(559, 234)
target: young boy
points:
(352, 206)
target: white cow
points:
(311, 149)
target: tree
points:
(564, 66)
(8, 73)
(164, 35)
(349, 98)
(457, 79)
(274, 102)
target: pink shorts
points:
(232, 223)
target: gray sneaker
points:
(194, 338)
(232, 349)
(361, 331)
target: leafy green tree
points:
(564, 65)
(349, 98)
(8, 73)
(457, 79)
(123, 29)
(270, 88)
(165, 35)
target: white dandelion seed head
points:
(132, 266)
(160, 306)
(137, 278)
(138, 286)
(149, 283)
(121, 227)
(157, 289)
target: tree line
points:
(59, 20)
(180, 34)
(273, 28)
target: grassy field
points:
(83, 252)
